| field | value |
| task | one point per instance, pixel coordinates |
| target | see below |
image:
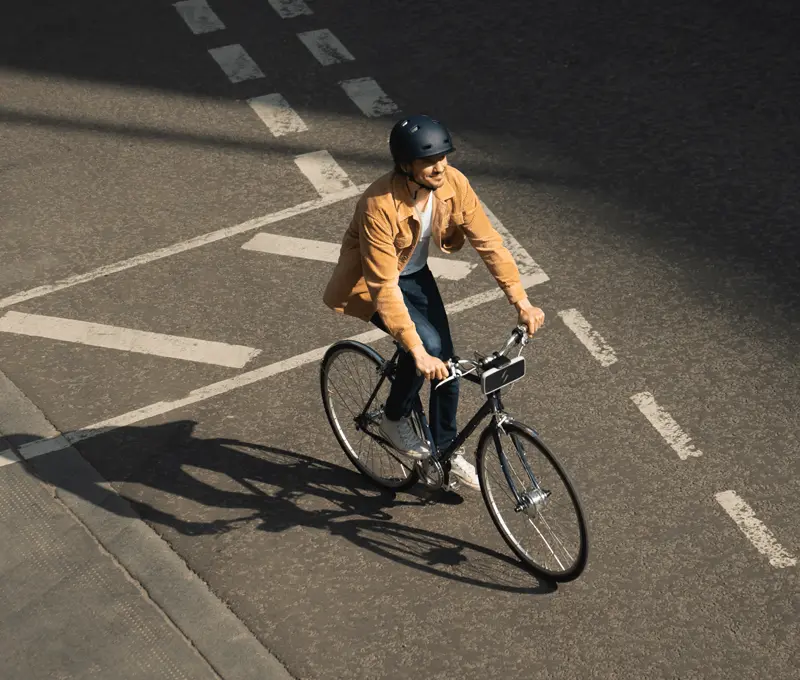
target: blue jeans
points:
(425, 306)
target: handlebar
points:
(461, 367)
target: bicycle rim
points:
(550, 534)
(348, 375)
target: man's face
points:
(429, 172)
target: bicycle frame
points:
(493, 406)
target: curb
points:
(227, 645)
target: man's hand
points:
(429, 366)
(529, 316)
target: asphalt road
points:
(646, 158)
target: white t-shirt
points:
(419, 258)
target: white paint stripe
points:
(369, 97)
(199, 16)
(7, 457)
(275, 112)
(758, 534)
(323, 172)
(183, 246)
(591, 339)
(666, 426)
(43, 446)
(275, 244)
(326, 47)
(528, 269)
(127, 339)
(288, 9)
(236, 63)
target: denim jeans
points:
(425, 306)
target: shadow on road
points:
(195, 486)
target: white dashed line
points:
(322, 251)
(288, 9)
(43, 446)
(666, 426)
(758, 534)
(199, 16)
(275, 112)
(590, 338)
(369, 97)
(236, 63)
(530, 272)
(127, 339)
(182, 246)
(326, 47)
(323, 172)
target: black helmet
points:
(419, 136)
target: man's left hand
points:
(529, 316)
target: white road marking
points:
(326, 47)
(199, 16)
(127, 339)
(323, 172)
(275, 244)
(288, 9)
(369, 97)
(43, 446)
(183, 246)
(591, 339)
(8, 457)
(530, 272)
(758, 534)
(277, 115)
(666, 426)
(236, 63)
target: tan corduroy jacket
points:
(384, 232)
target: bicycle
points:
(493, 373)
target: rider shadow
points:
(230, 482)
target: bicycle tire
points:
(527, 433)
(335, 351)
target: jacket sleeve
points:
(380, 269)
(489, 245)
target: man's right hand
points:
(429, 366)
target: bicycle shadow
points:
(228, 482)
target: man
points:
(382, 276)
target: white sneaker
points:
(402, 436)
(464, 471)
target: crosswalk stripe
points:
(369, 97)
(199, 16)
(275, 244)
(288, 9)
(325, 47)
(275, 112)
(323, 172)
(236, 63)
(127, 339)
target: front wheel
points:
(532, 501)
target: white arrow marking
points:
(127, 339)
(452, 270)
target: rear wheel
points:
(349, 374)
(543, 523)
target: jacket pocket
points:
(403, 240)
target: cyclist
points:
(382, 276)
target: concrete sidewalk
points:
(88, 590)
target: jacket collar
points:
(404, 200)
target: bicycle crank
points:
(431, 473)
